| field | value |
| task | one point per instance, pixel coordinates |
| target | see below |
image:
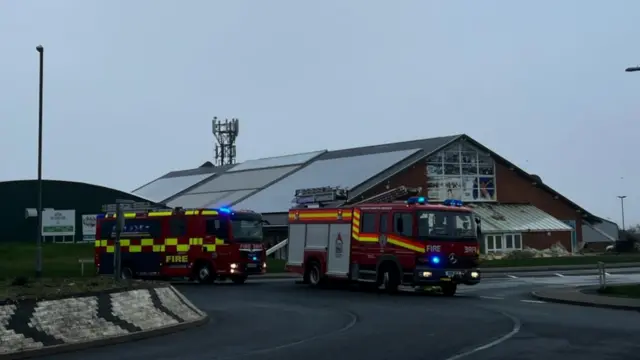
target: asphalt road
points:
(276, 319)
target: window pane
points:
(452, 157)
(384, 223)
(469, 169)
(436, 158)
(490, 244)
(452, 169)
(433, 169)
(407, 220)
(498, 241)
(518, 241)
(368, 224)
(509, 241)
(470, 158)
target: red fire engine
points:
(382, 241)
(199, 244)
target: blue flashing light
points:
(100, 216)
(225, 210)
(417, 200)
(435, 260)
(453, 202)
(254, 258)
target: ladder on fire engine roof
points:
(338, 197)
(132, 207)
(396, 194)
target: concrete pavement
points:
(274, 319)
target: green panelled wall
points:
(16, 196)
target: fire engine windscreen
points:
(246, 228)
(446, 225)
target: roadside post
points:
(602, 275)
(117, 256)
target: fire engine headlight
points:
(233, 266)
(475, 274)
(426, 274)
(264, 265)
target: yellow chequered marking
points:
(135, 248)
(183, 247)
(146, 242)
(195, 241)
(110, 249)
(171, 241)
(158, 248)
(209, 212)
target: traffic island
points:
(612, 297)
(52, 324)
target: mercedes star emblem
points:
(452, 258)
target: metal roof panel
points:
(164, 188)
(516, 218)
(294, 159)
(346, 172)
(245, 180)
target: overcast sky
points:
(131, 86)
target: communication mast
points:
(225, 133)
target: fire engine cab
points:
(199, 244)
(392, 239)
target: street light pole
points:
(632, 69)
(39, 234)
(622, 197)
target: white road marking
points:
(492, 297)
(533, 301)
(511, 276)
(514, 331)
(607, 274)
(558, 274)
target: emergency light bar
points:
(420, 200)
(320, 194)
(453, 202)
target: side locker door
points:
(338, 258)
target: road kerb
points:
(574, 296)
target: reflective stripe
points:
(219, 242)
(158, 248)
(182, 248)
(209, 247)
(97, 243)
(135, 248)
(125, 242)
(160, 213)
(110, 249)
(195, 241)
(171, 241)
(209, 212)
(146, 242)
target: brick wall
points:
(512, 188)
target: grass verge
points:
(626, 291)
(556, 261)
(275, 265)
(58, 260)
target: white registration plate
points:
(454, 273)
(252, 265)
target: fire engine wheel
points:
(314, 275)
(389, 280)
(126, 273)
(204, 274)
(449, 289)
